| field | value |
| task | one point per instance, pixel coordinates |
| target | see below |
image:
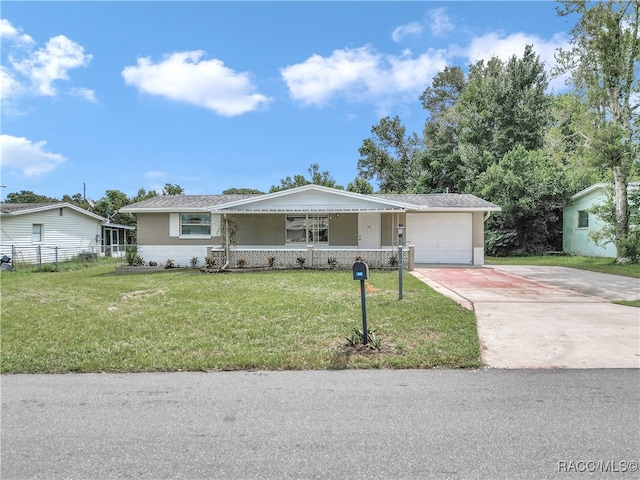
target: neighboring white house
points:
(313, 222)
(49, 232)
(578, 222)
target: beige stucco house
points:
(315, 222)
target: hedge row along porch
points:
(318, 224)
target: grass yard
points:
(594, 264)
(92, 320)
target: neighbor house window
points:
(36, 232)
(195, 224)
(583, 219)
(307, 229)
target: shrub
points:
(241, 263)
(210, 262)
(271, 261)
(373, 341)
(169, 263)
(194, 262)
(393, 260)
(132, 256)
(152, 263)
(332, 262)
(301, 261)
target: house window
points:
(307, 229)
(36, 232)
(583, 219)
(195, 224)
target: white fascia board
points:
(292, 191)
(165, 210)
(53, 206)
(455, 209)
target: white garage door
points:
(441, 237)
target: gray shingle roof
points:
(422, 201)
(189, 201)
(18, 207)
(438, 200)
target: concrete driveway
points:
(546, 317)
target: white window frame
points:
(37, 233)
(186, 225)
(313, 226)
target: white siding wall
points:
(180, 254)
(72, 232)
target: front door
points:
(369, 230)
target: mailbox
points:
(360, 271)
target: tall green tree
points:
(27, 196)
(109, 206)
(391, 157)
(440, 159)
(241, 191)
(171, 189)
(529, 187)
(317, 177)
(503, 106)
(603, 61)
(360, 185)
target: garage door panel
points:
(441, 238)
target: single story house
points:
(316, 223)
(579, 222)
(50, 232)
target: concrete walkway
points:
(532, 323)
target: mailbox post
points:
(361, 272)
(400, 232)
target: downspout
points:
(227, 248)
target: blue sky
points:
(214, 95)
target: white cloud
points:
(37, 71)
(51, 63)
(9, 33)
(441, 23)
(504, 47)
(30, 157)
(413, 28)
(155, 174)
(361, 74)
(185, 77)
(85, 93)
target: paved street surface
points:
(546, 317)
(420, 424)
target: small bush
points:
(271, 261)
(194, 262)
(241, 263)
(393, 260)
(132, 256)
(210, 262)
(152, 263)
(169, 263)
(301, 261)
(356, 338)
(332, 262)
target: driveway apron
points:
(526, 323)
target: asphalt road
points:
(420, 424)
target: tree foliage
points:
(604, 62)
(528, 185)
(316, 177)
(391, 157)
(27, 196)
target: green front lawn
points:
(92, 320)
(594, 264)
